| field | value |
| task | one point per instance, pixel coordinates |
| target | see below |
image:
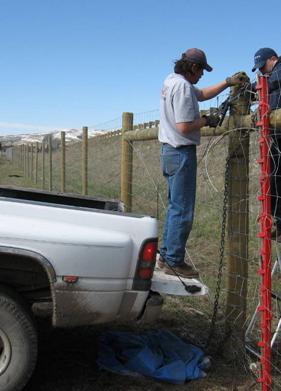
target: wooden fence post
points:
(238, 215)
(22, 155)
(50, 163)
(24, 161)
(28, 160)
(32, 162)
(126, 162)
(85, 161)
(62, 162)
(36, 162)
(43, 164)
(20, 158)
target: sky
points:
(73, 63)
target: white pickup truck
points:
(83, 257)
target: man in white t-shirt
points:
(179, 133)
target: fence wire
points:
(149, 196)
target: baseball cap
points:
(261, 56)
(197, 56)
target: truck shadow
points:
(67, 362)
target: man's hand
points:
(212, 120)
(237, 78)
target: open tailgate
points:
(172, 285)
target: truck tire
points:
(18, 342)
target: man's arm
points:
(186, 127)
(212, 91)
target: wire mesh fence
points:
(237, 150)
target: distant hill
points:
(71, 135)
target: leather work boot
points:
(185, 270)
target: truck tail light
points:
(146, 264)
(149, 252)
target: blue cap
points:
(261, 56)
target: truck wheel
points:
(18, 342)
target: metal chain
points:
(222, 247)
(221, 251)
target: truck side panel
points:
(100, 248)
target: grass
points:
(149, 197)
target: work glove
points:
(237, 78)
(212, 120)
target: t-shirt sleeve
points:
(198, 93)
(183, 105)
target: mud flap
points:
(152, 308)
(172, 285)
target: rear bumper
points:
(79, 308)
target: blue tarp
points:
(158, 354)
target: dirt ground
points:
(66, 359)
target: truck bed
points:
(58, 198)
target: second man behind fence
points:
(179, 133)
(268, 63)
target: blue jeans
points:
(179, 166)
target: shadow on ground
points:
(66, 362)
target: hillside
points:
(71, 136)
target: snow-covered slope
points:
(71, 135)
